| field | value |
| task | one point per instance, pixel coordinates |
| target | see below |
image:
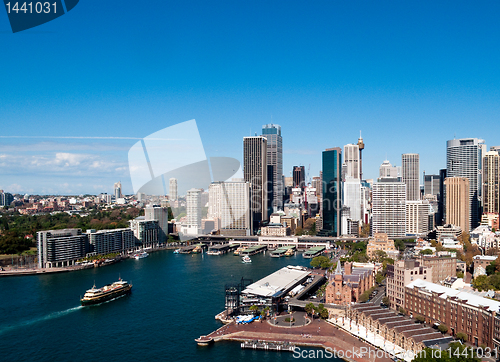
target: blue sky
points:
(410, 75)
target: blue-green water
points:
(174, 300)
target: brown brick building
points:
(460, 311)
(346, 285)
(442, 266)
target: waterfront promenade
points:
(317, 333)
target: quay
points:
(315, 334)
(282, 251)
(314, 251)
(253, 250)
(268, 346)
(220, 249)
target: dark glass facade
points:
(332, 191)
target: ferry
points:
(141, 255)
(108, 292)
(246, 259)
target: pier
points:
(314, 251)
(220, 249)
(252, 250)
(268, 345)
(282, 251)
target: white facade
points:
(193, 210)
(352, 198)
(230, 202)
(411, 175)
(172, 191)
(389, 208)
(386, 170)
(417, 217)
(351, 161)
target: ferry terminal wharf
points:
(316, 334)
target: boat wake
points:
(30, 322)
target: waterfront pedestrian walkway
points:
(351, 327)
(317, 333)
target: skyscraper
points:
(275, 158)
(491, 181)
(230, 203)
(159, 214)
(118, 190)
(299, 176)
(193, 212)
(440, 217)
(387, 170)
(172, 190)
(389, 207)
(332, 191)
(255, 172)
(351, 161)
(457, 202)
(431, 185)
(411, 170)
(463, 159)
(417, 217)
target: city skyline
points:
(409, 78)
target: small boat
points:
(246, 259)
(177, 251)
(108, 292)
(141, 255)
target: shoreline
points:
(42, 271)
(316, 334)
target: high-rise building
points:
(118, 190)
(463, 159)
(5, 198)
(431, 185)
(159, 214)
(275, 158)
(352, 197)
(255, 172)
(411, 170)
(104, 242)
(386, 170)
(351, 161)
(230, 203)
(332, 191)
(172, 190)
(417, 217)
(60, 248)
(457, 202)
(146, 232)
(389, 207)
(440, 216)
(299, 176)
(491, 182)
(193, 211)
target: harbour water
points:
(174, 300)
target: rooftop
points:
(445, 292)
(278, 282)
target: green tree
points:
(321, 262)
(419, 318)
(461, 336)
(254, 309)
(460, 274)
(380, 255)
(402, 310)
(386, 301)
(309, 308)
(379, 278)
(443, 328)
(426, 252)
(324, 313)
(400, 244)
(459, 353)
(481, 283)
